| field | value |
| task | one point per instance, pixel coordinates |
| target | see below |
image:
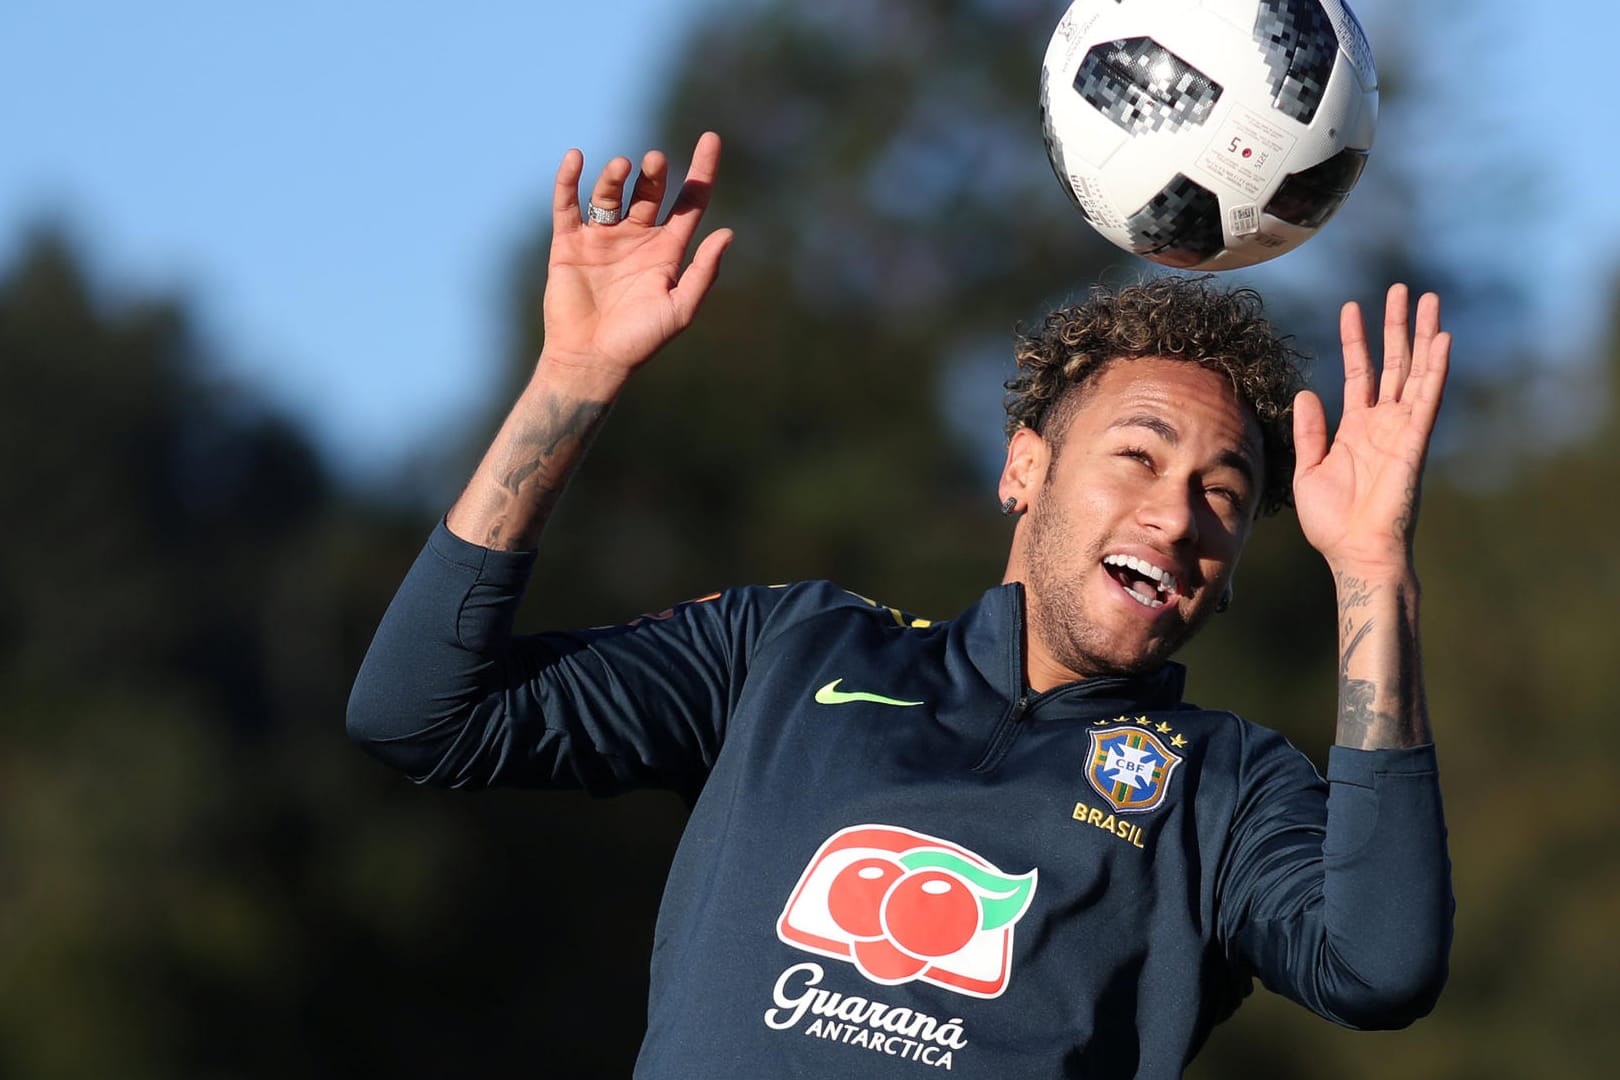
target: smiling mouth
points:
(1142, 581)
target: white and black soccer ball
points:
(1208, 134)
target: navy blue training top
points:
(900, 857)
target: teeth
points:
(1145, 601)
(1164, 578)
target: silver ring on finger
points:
(596, 215)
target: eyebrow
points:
(1158, 425)
(1234, 459)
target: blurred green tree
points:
(201, 876)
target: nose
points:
(1170, 509)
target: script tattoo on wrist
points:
(1353, 593)
(530, 480)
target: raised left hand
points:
(1357, 499)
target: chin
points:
(1132, 667)
(1102, 664)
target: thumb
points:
(699, 275)
(1310, 433)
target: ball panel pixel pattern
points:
(1308, 198)
(1142, 86)
(1180, 226)
(1299, 44)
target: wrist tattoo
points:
(1354, 592)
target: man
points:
(1000, 845)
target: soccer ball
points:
(1208, 134)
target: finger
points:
(700, 274)
(1428, 325)
(1428, 391)
(608, 192)
(693, 199)
(565, 195)
(1397, 344)
(1358, 378)
(1310, 433)
(647, 195)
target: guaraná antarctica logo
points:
(901, 905)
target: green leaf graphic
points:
(1003, 898)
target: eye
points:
(1137, 454)
(1227, 501)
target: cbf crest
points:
(1130, 768)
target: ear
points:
(1025, 470)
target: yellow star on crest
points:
(1144, 721)
(1163, 727)
(1178, 742)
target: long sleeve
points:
(1346, 909)
(449, 695)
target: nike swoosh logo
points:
(831, 695)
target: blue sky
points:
(337, 188)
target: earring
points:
(1224, 602)
(1009, 505)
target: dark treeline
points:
(199, 876)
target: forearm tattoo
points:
(530, 478)
(1356, 716)
(1403, 721)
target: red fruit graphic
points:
(880, 961)
(855, 896)
(931, 913)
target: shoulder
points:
(1253, 740)
(766, 610)
(818, 603)
(1258, 760)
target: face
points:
(1135, 521)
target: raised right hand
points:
(616, 294)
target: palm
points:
(609, 292)
(1357, 499)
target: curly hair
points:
(1178, 318)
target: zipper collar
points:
(993, 634)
